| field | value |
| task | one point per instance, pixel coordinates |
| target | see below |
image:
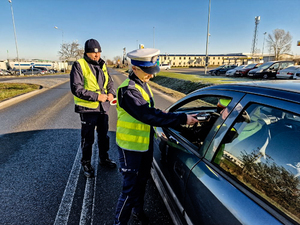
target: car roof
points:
(284, 89)
(286, 85)
(292, 66)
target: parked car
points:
(15, 71)
(288, 73)
(269, 69)
(4, 72)
(239, 165)
(32, 71)
(165, 66)
(243, 72)
(212, 72)
(52, 71)
(233, 71)
(222, 70)
(43, 69)
(297, 76)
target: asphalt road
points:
(41, 181)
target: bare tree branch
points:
(280, 42)
(70, 50)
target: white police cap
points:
(146, 59)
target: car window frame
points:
(281, 104)
(236, 97)
(248, 99)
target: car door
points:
(272, 71)
(250, 172)
(177, 150)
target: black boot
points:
(108, 163)
(87, 169)
(141, 217)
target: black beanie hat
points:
(92, 45)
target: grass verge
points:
(178, 85)
(10, 90)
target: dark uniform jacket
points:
(77, 85)
(133, 103)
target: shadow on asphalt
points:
(34, 170)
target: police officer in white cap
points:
(136, 118)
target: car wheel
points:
(265, 76)
(218, 73)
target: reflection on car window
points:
(211, 107)
(275, 66)
(263, 153)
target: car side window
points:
(261, 150)
(275, 66)
(286, 64)
(208, 108)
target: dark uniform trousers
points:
(88, 123)
(135, 168)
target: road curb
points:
(22, 97)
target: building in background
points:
(27, 64)
(198, 60)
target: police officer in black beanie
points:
(93, 89)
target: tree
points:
(280, 42)
(70, 50)
(117, 59)
(109, 62)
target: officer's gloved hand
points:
(191, 120)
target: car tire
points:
(265, 76)
(218, 73)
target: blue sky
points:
(180, 27)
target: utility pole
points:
(257, 19)
(13, 19)
(207, 37)
(263, 45)
(62, 43)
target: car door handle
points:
(178, 168)
(172, 139)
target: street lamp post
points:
(13, 19)
(207, 37)
(262, 52)
(62, 42)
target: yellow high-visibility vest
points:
(91, 84)
(131, 133)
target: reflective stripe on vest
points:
(131, 133)
(91, 84)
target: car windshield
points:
(250, 66)
(220, 67)
(265, 65)
(239, 67)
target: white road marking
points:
(88, 205)
(63, 213)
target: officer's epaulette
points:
(131, 84)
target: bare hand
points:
(102, 98)
(191, 120)
(110, 97)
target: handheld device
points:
(203, 116)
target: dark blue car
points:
(241, 163)
(221, 69)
